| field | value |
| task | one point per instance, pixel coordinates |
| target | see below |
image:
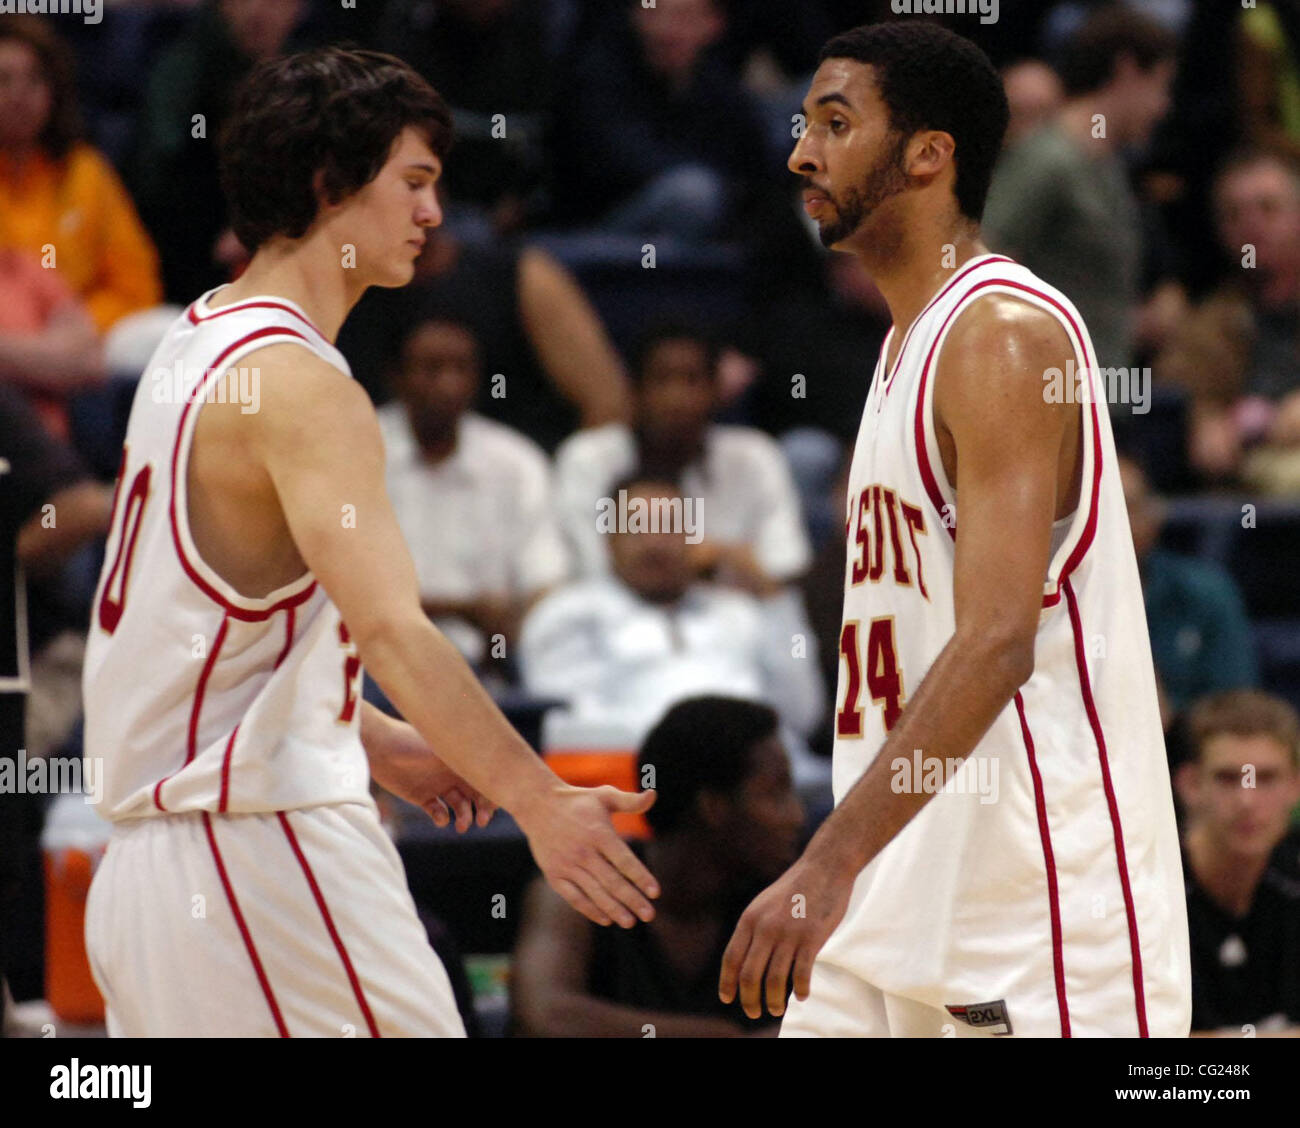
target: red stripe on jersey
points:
(195, 319)
(898, 360)
(290, 615)
(329, 925)
(923, 456)
(231, 609)
(1085, 686)
(225, 772)
(196, 706)
(267, 993)
(1049, 864)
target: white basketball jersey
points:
(1058, 832)
(199, 698)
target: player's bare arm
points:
(318, 440)
(1015, 457)
(402, 762)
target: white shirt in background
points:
(748, 494)
(481, 522)
(614, 657)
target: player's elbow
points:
(1005, 658)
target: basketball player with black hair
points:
(253, 565)
(1003, 857)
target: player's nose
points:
(802, 160)
(429, 213)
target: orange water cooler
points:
(73, 842)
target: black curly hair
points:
(932, 78)
(701, 744)
(334, 110)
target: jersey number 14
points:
(884, 680)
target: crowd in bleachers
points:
(626, 303)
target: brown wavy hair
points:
(333, 110)
(58, 67)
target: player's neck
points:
(307, 272)
(917, 266)
(1228, 877)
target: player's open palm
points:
(779, 934)
(585, 861)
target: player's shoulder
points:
(1002, 328)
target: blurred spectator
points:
(1200, 635)
(1236, 353)
(489, 59)
(36, 472)
(1242, 864)
(551, 365)
(753, 534)
(726, 822)
(623, 647)
(655, 135)
(175, 176)
(48, 343)
(60, 200)
(1268, 77)
(1034, 96)
(473, 497)
(1060, 202)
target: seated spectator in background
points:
(551, 364)
(1200, 635)
(1060, 201)
(1034, 97)
(492, 62)
(726, 821)
(654, 134)
(60, 200)
(49, 346)
(36, 472)
(754, 537)
(1236, 354)
(473, 498)
(174, 174)
(1242, 863)
(623, 647)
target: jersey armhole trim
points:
(206, 579)
(939, 491)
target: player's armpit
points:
(318, 438)
(1011, 454)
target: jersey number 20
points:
(113, 599)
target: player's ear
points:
(928, 151)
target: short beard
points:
(885, 179)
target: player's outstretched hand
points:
(403, 763)
(781, 932)
(583, 858)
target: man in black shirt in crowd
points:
(727, 822)
(1242, 863)
(48, 507)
